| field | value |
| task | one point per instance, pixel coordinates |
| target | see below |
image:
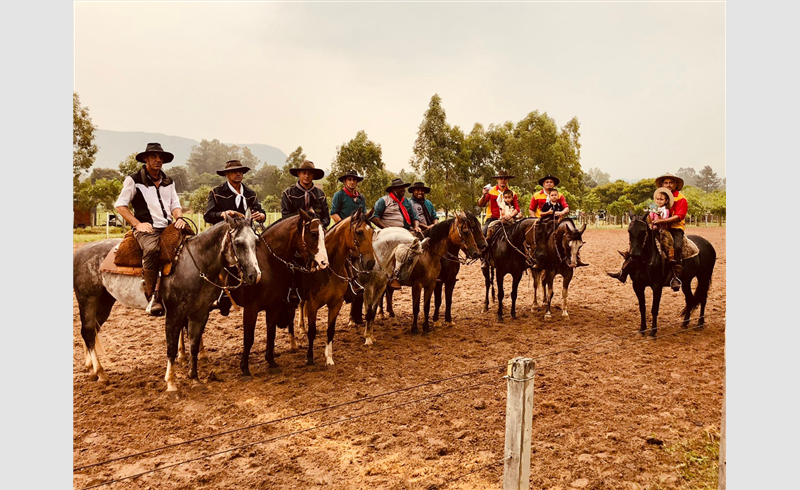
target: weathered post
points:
(519, 416)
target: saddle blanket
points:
(126, 258)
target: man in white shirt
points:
(155, 205)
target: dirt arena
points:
(628, 413)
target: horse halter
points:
(229, 248)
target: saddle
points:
(689, 248)
(126, 258)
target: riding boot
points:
(155, 308)
(622, 275)
(293, 297)
(677, 269)
(224, 304)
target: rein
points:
(292, 267)
(528, 260)
(457, 257)
(229, 244)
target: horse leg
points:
(639, 290)
(271, 319)
(514, 286)
(301, 326)
(428, 291)
(448, 299)
(197, 324)
(567, 278)
(654, 310)
(500, 295)
(371, 300)
(380, 305)
(356, 311)
(487, 283)
(333, 312)
(549, 276)
(311, 333)
(172, 329)
(389, 307)
(415, 294)
(537, 280)
(94, 312)
(437, 302)
(249, 318)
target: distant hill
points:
(115, 146)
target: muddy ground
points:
(628, 413)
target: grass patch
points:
(698, 461)
(95, 233)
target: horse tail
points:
(707, 257)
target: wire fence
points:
(665, 332)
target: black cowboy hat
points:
(232, 165)
(420, 185)
(166, 156)
(350, 173)
(503, 174)
(678, 186)
(397, 183)
(308, 165)
(551, 177)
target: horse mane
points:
(439, 232)
(287, 218)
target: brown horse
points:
(455, 233)
(349, 246)
(555, 248)
(278, 246)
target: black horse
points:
(507, 254)
(647, 269)
(556, 246)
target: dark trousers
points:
(150, 249)
(485, 227)
(677, 239)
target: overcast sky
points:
(645, 80)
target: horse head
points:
(361, 237)
(638, 231)
(239, 247)
(541, 233)
(312, 241)
(460, 233)
(471, 223)
(571, 241)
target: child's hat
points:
(666, 191)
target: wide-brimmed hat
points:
(504, 174)
(308, 165)
(420, 185)
(666, 191)
(166, 156)
(350, 173)
(397, 183)
(232, 165)
(660, 181)
(555, 180)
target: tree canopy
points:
(364, 156)
(83, 147)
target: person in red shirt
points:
(539, 199)
(492, 194)
(676, 225)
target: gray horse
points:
(396, 252)
(187, 292)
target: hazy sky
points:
(645, 80)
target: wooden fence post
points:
(519, 416)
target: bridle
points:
(230, 249)
(529, 261)
(457, 257)
(292, 266)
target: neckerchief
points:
(239, 196)
(307, 205)
(354, 196)
(402, 208)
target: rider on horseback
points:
(155, 205)
(508, 213)
(675, 224)
(544, 200)
(394, 209)
(491, 198)
(227, 198)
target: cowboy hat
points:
(678, 185)
(420, 185)
(350, 173)
(397, 183)
(308, 165)
(166, 156)
(503, 174)
(232, 165)
(555, 180)
(666, 191)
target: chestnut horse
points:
(298, 235)
(349, 246)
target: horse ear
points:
(358, 214)
(583, 228)
(424, 243)
(304, 216)
(248, 215)
(369, 213)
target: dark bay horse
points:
(555, 247)
(456, 233)
(647, 270)
(187, 293)
(301, 234)
(349, 247)
(510, 254)
(451, 265)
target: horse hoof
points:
(437, 324)
(313, 368)
(500, 319)
(274, 370)
(548, 316)
(246, 377)
(450, 324)
(367, 341)
(565, 315)
(329, 362)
